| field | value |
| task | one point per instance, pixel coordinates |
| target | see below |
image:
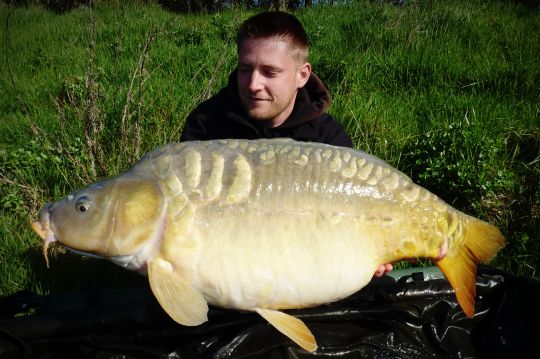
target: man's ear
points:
(303, 74)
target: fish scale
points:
(266, 225)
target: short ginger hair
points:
(279, 25)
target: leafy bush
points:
(458, 163)
(486, 178)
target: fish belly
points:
(280, 259)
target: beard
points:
(265, 110)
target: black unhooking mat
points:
(406, 318)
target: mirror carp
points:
(265, 225)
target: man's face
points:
(268, 79)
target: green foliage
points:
(487, 178)
(445, 91)
(458, 163)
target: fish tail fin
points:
(480, 243)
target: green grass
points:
(448, 92)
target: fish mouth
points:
(43, 228)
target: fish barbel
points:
(266, 225)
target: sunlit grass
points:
(448, 92)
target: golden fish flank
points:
(266, 225)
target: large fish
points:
(266, 225)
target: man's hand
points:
(383, 268)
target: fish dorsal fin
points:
(177, 297)
(292, 327)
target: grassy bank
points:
(448, 92)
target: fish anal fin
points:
(290, 326)
(177, 297)
(481, 241)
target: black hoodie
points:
(222, 116)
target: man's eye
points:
(271, 73)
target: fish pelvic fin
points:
(292, 327)
(182, 302)
(480, 243)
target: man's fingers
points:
(383, 268)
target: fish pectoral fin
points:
(292, 327)
(177, 297)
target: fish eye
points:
(83, 204)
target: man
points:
(272, 93)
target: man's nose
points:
(255, 81)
